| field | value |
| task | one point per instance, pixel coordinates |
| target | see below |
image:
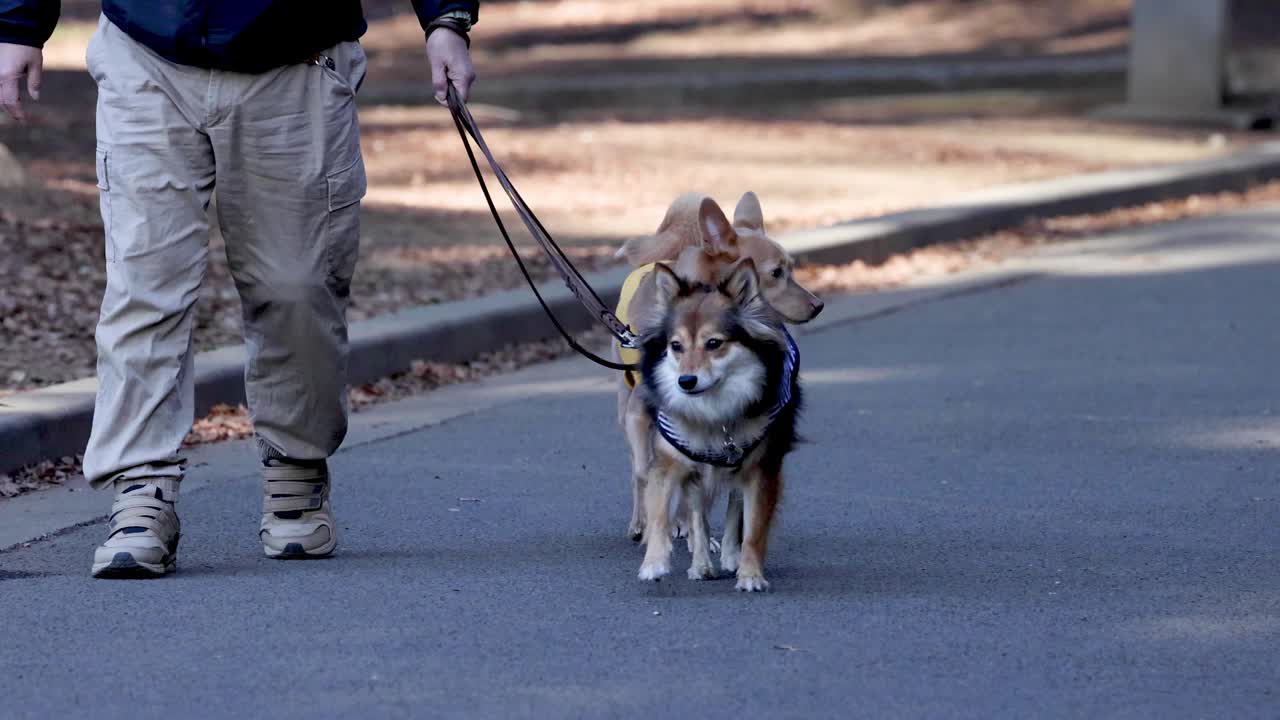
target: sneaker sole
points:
(123, 566)
(295, 551)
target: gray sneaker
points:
(296, 519)
(143, 533)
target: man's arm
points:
(25, 26)
(446, 23)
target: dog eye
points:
(777, 272)
(676, 347)
(714, 343)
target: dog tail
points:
(665, 245)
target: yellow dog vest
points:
(629, 287)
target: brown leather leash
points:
(573, 279)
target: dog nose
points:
(688, 382)
(816, 307)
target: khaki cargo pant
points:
(282, 149)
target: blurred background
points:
(603, 111)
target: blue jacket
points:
(240, 35)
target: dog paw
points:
(653, 571)
(679, 530)
(635, 531)
(715, 545)
(729, 560)
(752, 582)
(697, 572)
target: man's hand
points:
(16, 62)
(450, 63)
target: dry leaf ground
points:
(593, 183)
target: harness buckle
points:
(629, 340)
(732, 452)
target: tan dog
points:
(702, 247)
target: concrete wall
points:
(1177, 53)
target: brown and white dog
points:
(721, 384)
(702, 247)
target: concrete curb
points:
(54, 422)
(876, 239)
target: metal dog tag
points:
(732, 452)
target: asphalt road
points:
(1058, 497)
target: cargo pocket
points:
(102, 163)
(346, 188)
(345, 63)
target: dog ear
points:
(748, 213)
(653, 298)
(669, 285)
(742, 284)
(718, 237)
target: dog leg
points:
(657, 532)
(709, 501)
(760, 498)
(699, 531)
(711, 482)
(638, 429)
(635, 529)
(713, 542)
(680, 519)
(731, 545)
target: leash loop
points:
(573, 279)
